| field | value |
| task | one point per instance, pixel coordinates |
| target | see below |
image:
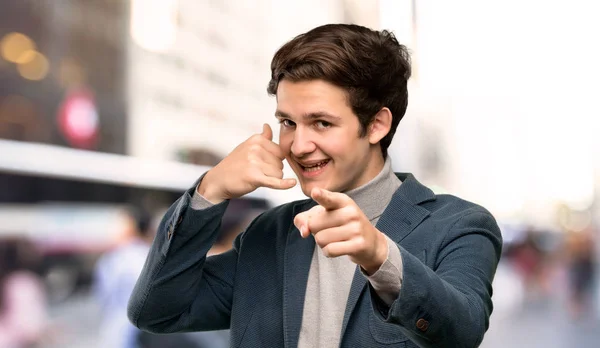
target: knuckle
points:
(254, 147)
(361, 242)
(347, 211)
(355, 228)
(319, 209)
(320, 240)
(357, 246)
(352, 213)
(252, 160)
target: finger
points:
(320, 221)
(329, 200)
(336, 249)
(271, 160)
(270, 170)
(273, 149)
(332, 235)
(267, 133)
(277, 183)
(302, 220)
(303, 228)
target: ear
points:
(380, 126)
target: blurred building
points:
(62, 83)
(199, 70)
(490, 116)
(64, 107)
(62, 77)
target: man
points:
(371, 259)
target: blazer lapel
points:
(297, 260)
(402, 215)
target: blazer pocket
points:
(385, 333)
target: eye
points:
(323, 124)
(286, 123)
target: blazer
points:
(450, 250)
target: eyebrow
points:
(310, 115)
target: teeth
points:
(316, 167)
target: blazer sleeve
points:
(449, 305)
(179, 288)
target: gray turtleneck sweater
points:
(330, 279)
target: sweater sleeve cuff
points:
(198, 201)
(387, 280)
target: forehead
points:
(297, 97)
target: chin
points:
(306, 188)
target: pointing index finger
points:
(327, 199)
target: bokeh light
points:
(36, 67)
(14, 45)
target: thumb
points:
(301, 223)
(267, 132)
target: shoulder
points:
(461, 216)
(455, 207)
(456, 214)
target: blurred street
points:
(538, 321)
(535, 323)
(75, 323)
(544, 324)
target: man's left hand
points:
(341, 228)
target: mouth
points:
(313, 169)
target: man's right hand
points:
(257, 162)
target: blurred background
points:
(110, 109)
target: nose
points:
(302, 144)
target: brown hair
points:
(370, 65)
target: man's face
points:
(319, 135)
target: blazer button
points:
(422, 324)
(170, 232)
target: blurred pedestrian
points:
(581, 267)
(114, 278)
(528, 260)
(23, 306)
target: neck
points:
(374, 196)
(375, 166)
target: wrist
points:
(209, 190)
(380, 255)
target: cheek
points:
(348, 152)
(338, 147)
(285, 143)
